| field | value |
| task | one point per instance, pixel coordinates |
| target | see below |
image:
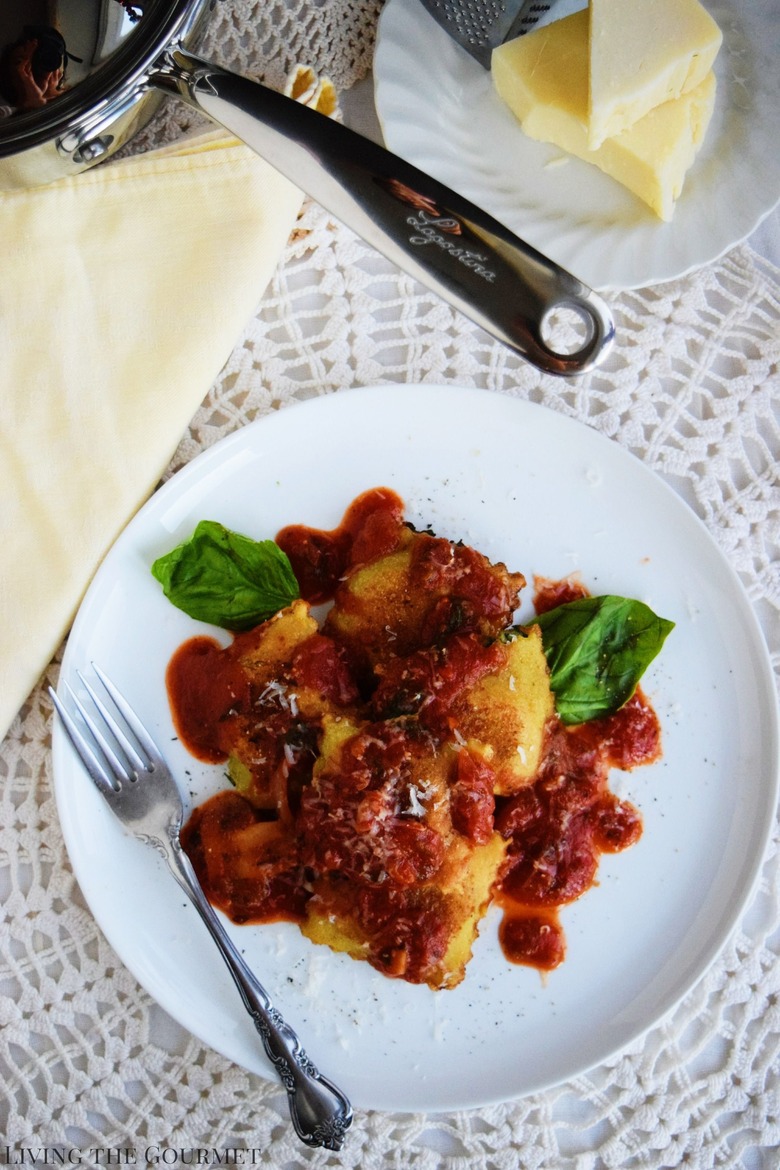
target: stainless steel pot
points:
(122, 57)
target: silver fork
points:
(129, 771)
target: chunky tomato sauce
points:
(257, 862)
(369, 529)
(559, 825)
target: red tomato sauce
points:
(556, 828)
(559, 826)
(204, 684)
(548, 593)
(370, 528)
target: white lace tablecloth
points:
(87, 1061)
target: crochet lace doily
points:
(265, 41)
(692, 388)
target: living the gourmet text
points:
(413, 756)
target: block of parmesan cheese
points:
(644, 53)
(543, 79)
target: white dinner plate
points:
(548, 496)
(437, 109)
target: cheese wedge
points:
(644, 53)
(543, 78)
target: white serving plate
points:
(437, 109)
(546, 495)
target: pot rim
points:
(123, 74)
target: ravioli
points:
(397, 762)
(417, 594)
(404, 872)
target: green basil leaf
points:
(597, 649)
(227, 579)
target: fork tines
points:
(112, 759)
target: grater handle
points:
(480, 26)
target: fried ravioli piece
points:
(247, 866)
(295, 676)
(505, 714)
(496, 698)
(270, 645)
(427, 588)
(288, 653)
(400, 835)
(424, 934)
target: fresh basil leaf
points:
(227, 579)
(597, 649)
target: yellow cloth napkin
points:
(123, 292)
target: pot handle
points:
(462, 253)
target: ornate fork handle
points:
(320, 1112)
